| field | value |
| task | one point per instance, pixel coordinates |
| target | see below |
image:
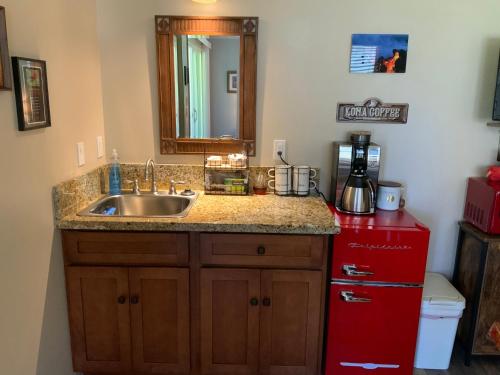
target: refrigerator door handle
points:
(352, 270)
(348, 296)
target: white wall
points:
(224, 106)
(303, 69)
(33, 320)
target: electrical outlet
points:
(80, 148)
(279, 145)
(100, 147)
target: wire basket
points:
(226, 174)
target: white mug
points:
(302, 182)
(282, 183)
(389, 196)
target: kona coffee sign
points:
(372, 110)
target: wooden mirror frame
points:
(246, 28)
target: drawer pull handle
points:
(134, 300)
(261, 250)
(349, 297)
(254, 301)
(368, 366)
(352, 270)
(266, 301)
(122, 300)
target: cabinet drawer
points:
(382, 255)
(262, 250)
(122, 248)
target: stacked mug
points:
(288, 180)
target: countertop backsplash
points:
(73, 195)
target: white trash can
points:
(442, 308)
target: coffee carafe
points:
(358, 195)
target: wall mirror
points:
(207, 69)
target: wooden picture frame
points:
(232, 82)
(32, 94)
(244, 27)
(5, 76)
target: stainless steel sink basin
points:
(144, 205)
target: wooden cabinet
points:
(290, 316)
(477, 277)
(195, 303)
(159, 310)
(129, 319)
(260, 322)
(230, 321)
(99, 319)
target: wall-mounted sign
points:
(372, 110)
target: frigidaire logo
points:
(355, 245)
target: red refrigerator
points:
(378, 269)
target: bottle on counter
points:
(115, 180)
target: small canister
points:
(389, 196)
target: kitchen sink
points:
(143, 205)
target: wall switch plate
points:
(80, 148)
(279, 145)
(100, 147)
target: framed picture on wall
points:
(32, 95)
(5, 77)
(232, 82)
(379, 53)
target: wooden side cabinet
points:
(477, 277)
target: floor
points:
(479, 366)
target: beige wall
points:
(33, 320)
(302, 74)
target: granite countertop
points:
(214, 213)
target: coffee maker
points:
(355, 173)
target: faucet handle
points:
(135, 189)
(173, 184)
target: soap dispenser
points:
(114, 175)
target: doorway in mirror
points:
(205, 107)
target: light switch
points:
(100, 147)
(80, 148)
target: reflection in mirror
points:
(206, 72)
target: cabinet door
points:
(290, 322)
(230, 321)
(372, 329)
(99, 319)
(159, 307)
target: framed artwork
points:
(232, 82)
(379, 53)
(5, 77)
(32, 95)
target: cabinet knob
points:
(254, 301)
(261, 250)
(134, 300)
(266, 301)
(122, 300)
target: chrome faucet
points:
(154, 188)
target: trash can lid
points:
(439, 294)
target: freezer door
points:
(372, 329)
(395, 255)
